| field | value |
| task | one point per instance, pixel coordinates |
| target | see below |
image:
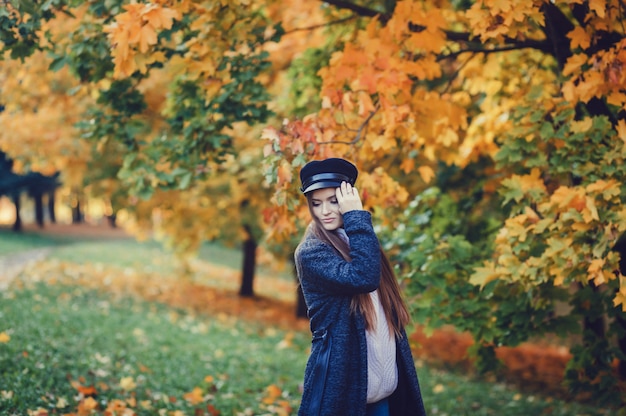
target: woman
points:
(360, 362)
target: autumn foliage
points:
(490, 137)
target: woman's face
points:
(326, 208)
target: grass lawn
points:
(11, 242)
(67, 340)
(69, 349)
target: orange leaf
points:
(161, 17)
(427, 173)
(195, 396)
(574, 63)
(273, 392)
(284, 173)
(579, 38)
(407, 165)
(212, 410)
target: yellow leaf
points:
(407, 165)
(61, 403)
(438, 388)
(88, 405)
(195, 396)
(161, 17)
(579, 38)
(621, 130)
(273, 393)
(591, 213)
(559, 275)
(483, 275)
(574, 63)
(270, 133)
(127, 383)
(381, 142)
(427, 173)
(598, 6)
(284, 173)
(582, 125)
(620, 296)
(4, 338)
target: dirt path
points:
(12, 264)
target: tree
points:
(503, 124)
(505, 115)
(34, 183)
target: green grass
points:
(11, 242)
(147, 255)
(58, 333)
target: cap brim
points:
(321, 185)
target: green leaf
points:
(185, 180)
(57, 63)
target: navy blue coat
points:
(335, 379)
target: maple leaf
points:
(160, 17)
(85, 390)
(621, 130)
(195, 396)
(484, 275)
(598, 6)
(145, 37)
(87, 406)
(407, 165)
(574, 63)
(427, 173)
(273, 393)
(285, 175)
(128, 383)
(581, 126)
(579, 38)
(620, 296)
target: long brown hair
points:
(393, 305)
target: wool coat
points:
(335, 379)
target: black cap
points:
(328, 173)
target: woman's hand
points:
(348, 198)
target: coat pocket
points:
(320, 371)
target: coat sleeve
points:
(323, 269)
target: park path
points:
(12, 264)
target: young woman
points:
(360, 362)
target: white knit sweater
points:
(382, 371)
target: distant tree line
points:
(36, 185)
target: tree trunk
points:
(51, 203)
(77, 215)
(249, 265)
(38, 198)
(620, 319)
(17, 225)
(112, 219)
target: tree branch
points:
(541, 45)
(359, 131)
(356, 8)
(334, 22)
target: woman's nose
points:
(325, 209)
